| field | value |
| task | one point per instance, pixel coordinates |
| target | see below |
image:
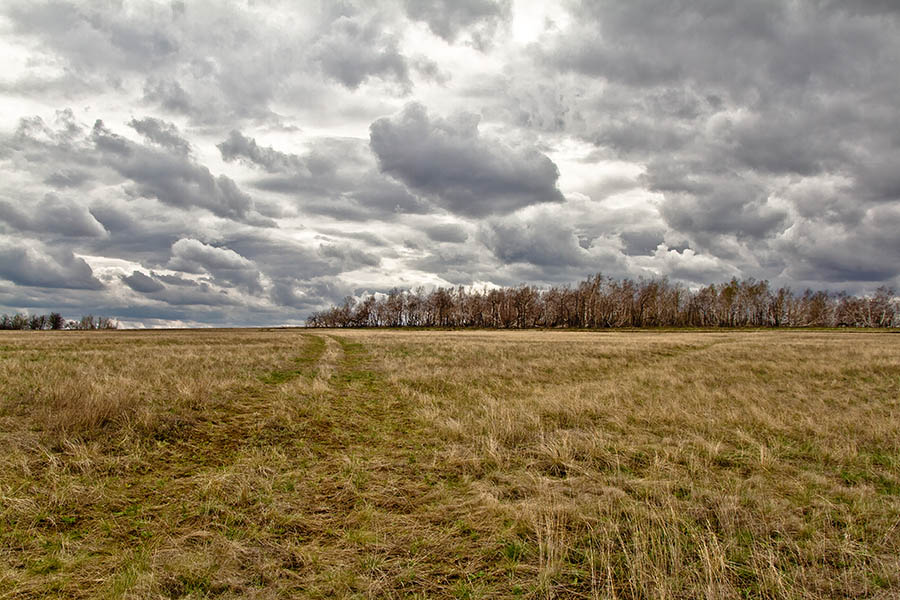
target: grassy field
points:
(320, 464)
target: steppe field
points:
(450, 464)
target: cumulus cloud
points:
(724, 207)
(447, 232)
(142, 234)
(51, 214)
(545, 244)
(337, 177)
(348, 257)
(356, 47)
(866, 251)
(90, 35)
(145, 284)
(642, 241)
(30, 263)
(193, 256)
(174, 180)
(450, 19)
(465, 172)
(659, 85)
(162, 133)
(162, 171)
(688, 266)
(67, 178)
(251, 162)
(240, 147)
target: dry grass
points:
(450, 464)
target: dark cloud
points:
(67, 178)
(161, 171)
(348, 257)
(370, 239)
(866, 251)
(171, 97)
(877, 177)
(354, 48)
(282, 256)
(203, 295)
(642, 241)
(783, 47)
(142, 234)
(103, 47)
(30, 263)
(538, 242)
(466, 173)
(825, 200)
(724, 207)
(175, 280)
(193, 256)
(375, 194)
(51, 214)
(241, 147)
(457, 264)
(203, 61)
(447, 232)
(726, 143)
(450, 19)
(224, 264)
(62, 145)
(308, 296)
(876, 8)
(297, 274)
(162, 133)
(698, 140)
(337, 177)
(89, 35)
(174, 180)
(143, 283)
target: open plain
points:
(450, 464)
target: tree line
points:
(605, 302)
(55, 321)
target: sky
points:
(250, 162)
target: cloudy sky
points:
(250, 162)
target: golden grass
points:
(450, 464)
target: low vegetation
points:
(55, 321)
(467, 464)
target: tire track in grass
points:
(306, 365)
(170, 502)
(259, 406)
(313, 479)
(207, 488)
(265, 482)
(384, 518)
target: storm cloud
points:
(336, 177)
(143, 283)
(248, 163)
(451, 19)
(33, 264)
(466, 173)
(50, 214)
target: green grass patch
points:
(303, 365)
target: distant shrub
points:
(55, 321)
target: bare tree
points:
(56, 321)
(600, 301)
